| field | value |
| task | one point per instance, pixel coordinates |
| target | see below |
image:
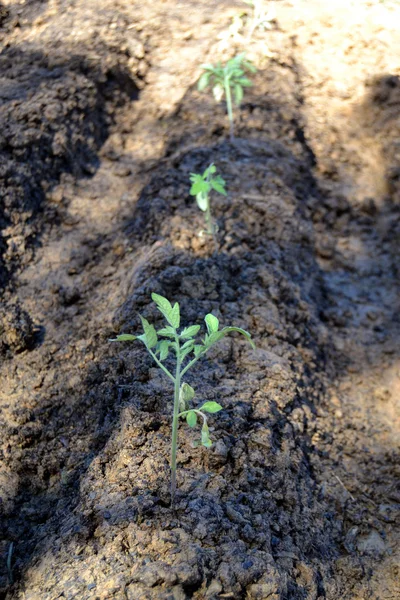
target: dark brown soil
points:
(100, 127)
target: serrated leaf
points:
(212, 323)
(210, 407)
(250, 67)
(175, 317)
(149, 332)
(163, 305)
(190, 332)
(125, 337)
(167, 332)
(198, 349)
(199, 186)
(187, 344)
(245, 82)
(218, 184)
(202, 201)
(164, 349)
(187, 392)
(238, 91)
(209, 171)
(207, 67)
(191, 418)
(185, 352)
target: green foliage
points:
(227, 80)
(201, 187)
(187, 351)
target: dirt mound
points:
(297, 498)
(56, 109)
(247, 509)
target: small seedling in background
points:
(261, 17)
(227, 80)
(201, 188)
(159, 344)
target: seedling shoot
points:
(228, 80)
(186, 351)
(201, 187)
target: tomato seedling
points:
(262, 16)
(159, 344)
(227, 80)
(201, 188)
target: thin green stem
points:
(208, 218)
(195, 410)
(161, 365)
(228, 95)
(175, 422)
(9, 563)
(194, 361)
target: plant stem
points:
(9, 563)
(159, 363)
(229, 107)
(175, 422)
(208, 219)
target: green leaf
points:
(164, 348)
(212, 323)
(218, 184)
(187, 392)
(244, 82)
(249, 66)
(167, 332)
(207, 67)
(205, 438)
(171, 313)
(213, 338)
(204, 81)
(149, 332)
(163, 305)
(187, 344)
(175, 317)
(191, 418)
(198, 349)
(190, 332)
(125, 337)
(209, 171)
(186, 348)
(202, 201)
(238, 91)
(199, 186)
(210, 407)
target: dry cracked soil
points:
(101, 124)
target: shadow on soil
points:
(56, 114)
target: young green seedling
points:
(159, 344)
(262, 16)
(227, 80)
(201, 188)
